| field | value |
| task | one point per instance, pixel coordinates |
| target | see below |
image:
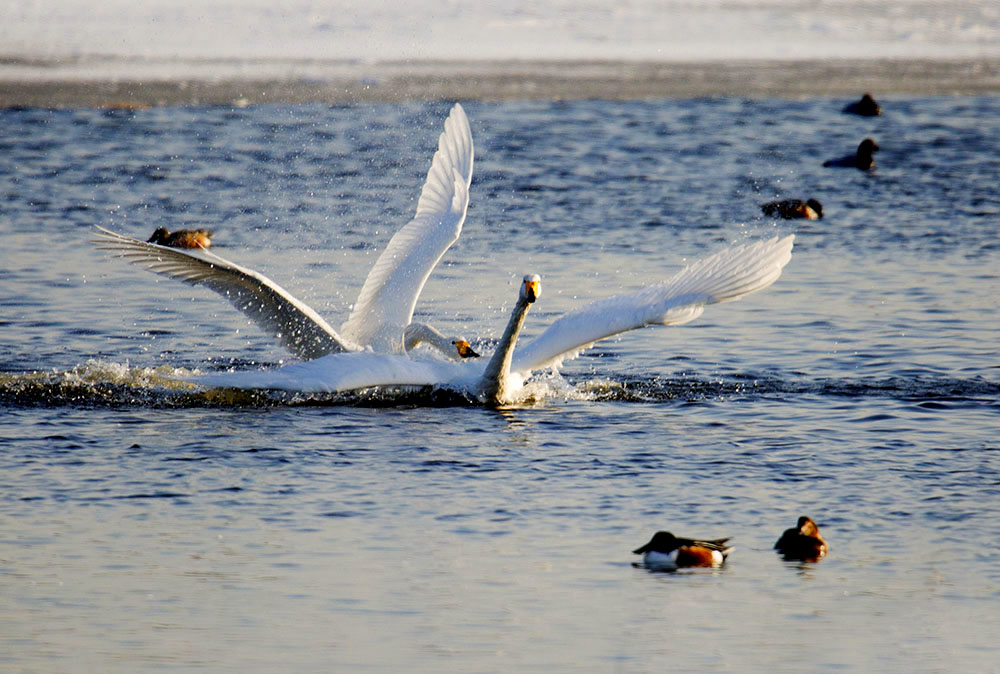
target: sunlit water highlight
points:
(149, 525)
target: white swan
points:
(490, 384)
(722, 277)
(387, 298)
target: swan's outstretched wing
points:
(347, 372)
(296, 326)
(385, 304)
(725, 276)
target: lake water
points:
(149, 527)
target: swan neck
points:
(418, 333)
(498, 369)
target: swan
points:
(722, 277)
(387, 298)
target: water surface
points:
(146, 526)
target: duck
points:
(866, 107)
(791, 209)
(182, 238)
(802, 542)
(861, 160)
(666, 551)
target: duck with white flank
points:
(666, 551)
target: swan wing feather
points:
(296, 326)
(387, 298)
(722, 277)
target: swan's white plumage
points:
(488, 382)
(390, 292)
(722, 277)
(389, 295)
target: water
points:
(146, 526)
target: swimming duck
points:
(791, 209)
(802, 542)
(866, 107)
(861, 160)
(666, 551)
(182, 238)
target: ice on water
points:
(175, 34)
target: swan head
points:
(464, 349)
(531, 287)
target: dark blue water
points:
(149, 526)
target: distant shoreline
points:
(124, 84)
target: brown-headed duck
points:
(182, 238)
(802, 542)
(791, 209)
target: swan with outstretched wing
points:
(722, 277)
(389, 294)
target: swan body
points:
(387, 298)
(722, 277)
(491, 383)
